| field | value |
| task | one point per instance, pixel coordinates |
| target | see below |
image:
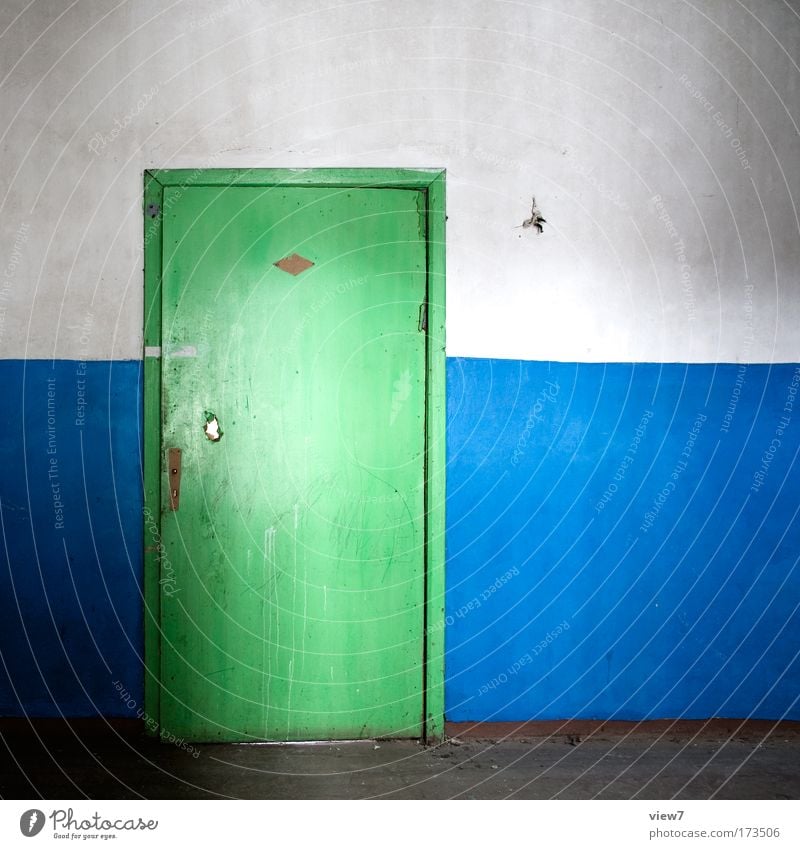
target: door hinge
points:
(423, 317)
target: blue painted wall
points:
(622, 541)
(70, 569)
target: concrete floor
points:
(625, 766)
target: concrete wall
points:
(661, 142)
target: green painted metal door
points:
(293, 567)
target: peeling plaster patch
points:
(185, 351)
(211, 428)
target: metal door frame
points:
(431, 183)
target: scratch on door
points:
(266, 624)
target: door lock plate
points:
(174, 470)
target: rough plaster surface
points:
(595, 106)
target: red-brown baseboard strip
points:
(750, 729)
(722, 729)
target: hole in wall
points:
(211, 428)
(536, 220)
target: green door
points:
(293, 386)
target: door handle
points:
(174, 470)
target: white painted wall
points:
(594, 106)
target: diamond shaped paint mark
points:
(294, 264)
